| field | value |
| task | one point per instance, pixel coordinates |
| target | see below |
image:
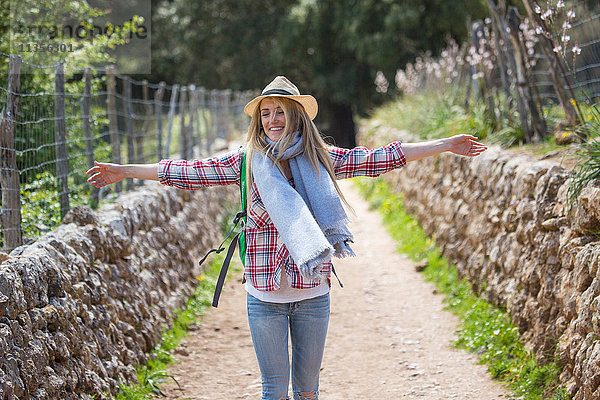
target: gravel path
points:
(389, 337)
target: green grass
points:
(426, 115)
(484, 329)
(432, 115)
(154, 373)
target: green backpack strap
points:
(243, 196)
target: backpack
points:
(238, 239)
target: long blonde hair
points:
(296, 120)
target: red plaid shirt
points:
(266, 254)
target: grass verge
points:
(154, 373)
(484, 329)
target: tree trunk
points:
(502, 40)
(556, 68)
(336, 123)
(527, 106)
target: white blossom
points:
(567, 25)
(381, 83)
(557, 49)
(546, 15)
(560, 4)
(565, 38)
(576, 49)
(571, 14)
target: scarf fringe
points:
(343, 250)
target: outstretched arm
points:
(464, 145)
(103, 174)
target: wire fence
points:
(52, 131)
(520, 67)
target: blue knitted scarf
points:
(311, 219)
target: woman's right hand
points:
(102, 174)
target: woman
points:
(295, 224)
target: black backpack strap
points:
(220, 248)
(239, 217)
(336, 275)
(224, 268)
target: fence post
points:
(206, 128)
(172, 106)
(183, 143)
(226, 114)
(158, 96)
(9, 175)
(86, 102)
(130, 129)
(193, 118)
(60, 133)
(239, 111)
(146, 126)
(214, 113)
(115, 139)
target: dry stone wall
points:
(504, 220)
(84, 304)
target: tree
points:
(216, 43)
(332, 49)
(337, 48)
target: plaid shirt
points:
(266, 254)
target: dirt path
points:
(389, 337)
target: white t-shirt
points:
(286, 293)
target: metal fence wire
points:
(51, 133)
(578, 45)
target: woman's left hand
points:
(465, 145)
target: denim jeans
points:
(307, 322)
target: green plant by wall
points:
(40, 207)
(484, 329)
(588, 167)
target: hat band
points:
(277, 91)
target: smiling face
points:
(272, 119)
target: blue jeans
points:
(307, 322)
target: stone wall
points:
(84, 304)
(504, 220)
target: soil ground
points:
(389, 335)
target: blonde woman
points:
(296, 222)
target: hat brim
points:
(307, 101)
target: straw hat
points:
(282, 87)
